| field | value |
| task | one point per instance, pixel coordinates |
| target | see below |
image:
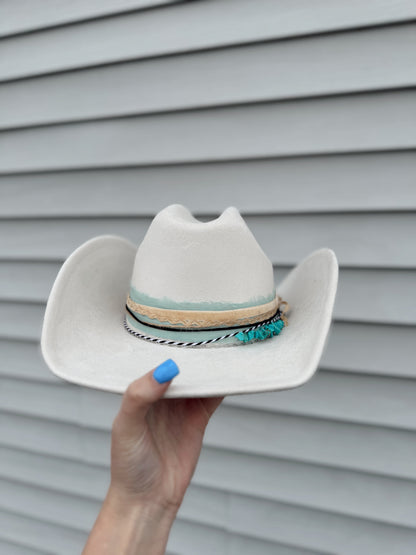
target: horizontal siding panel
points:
(24, 360)
(357, 239)
(23, 323)
(336, 396)
(57, 474)
(348, 446)
(238, 544)
(369, 240)
(361, 294)
(80, 479)
(66, 405)
(55, 438)
(319, 530)
(184, 536)
(79, 513)
(9, 548)
(346, 397)
(339, 444)
(323, 65)
(355, 123)
(240, 514)
(348, 182)
(289, 528)
(18, 16)
(352, 347)
(75, 516)
(61, 540)
(316, 487)
(47, 505)
(186, 27)
(27, 281)
(41, 535)
(374, 349)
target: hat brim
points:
(84, 341)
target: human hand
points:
(156, 442)
(155, 446)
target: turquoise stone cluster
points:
(264, 332)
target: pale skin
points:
(155, 446)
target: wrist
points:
(128, 526)
(151, 508)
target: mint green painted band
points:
(178, 335)
(165, 302)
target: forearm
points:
(128, 528)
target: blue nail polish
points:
(166, 371)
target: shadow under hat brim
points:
(84, 341)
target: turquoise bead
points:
(266, 331)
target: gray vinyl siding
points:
(303, 115)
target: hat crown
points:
(185, 263)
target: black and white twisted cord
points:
(274, 318)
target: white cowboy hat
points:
(188, 283)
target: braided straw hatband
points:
(196, 319)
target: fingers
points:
(148, 389)
(143, 392)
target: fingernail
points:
(166, 371)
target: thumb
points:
(143, 392)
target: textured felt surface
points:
(203, 263)
(84, 341)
